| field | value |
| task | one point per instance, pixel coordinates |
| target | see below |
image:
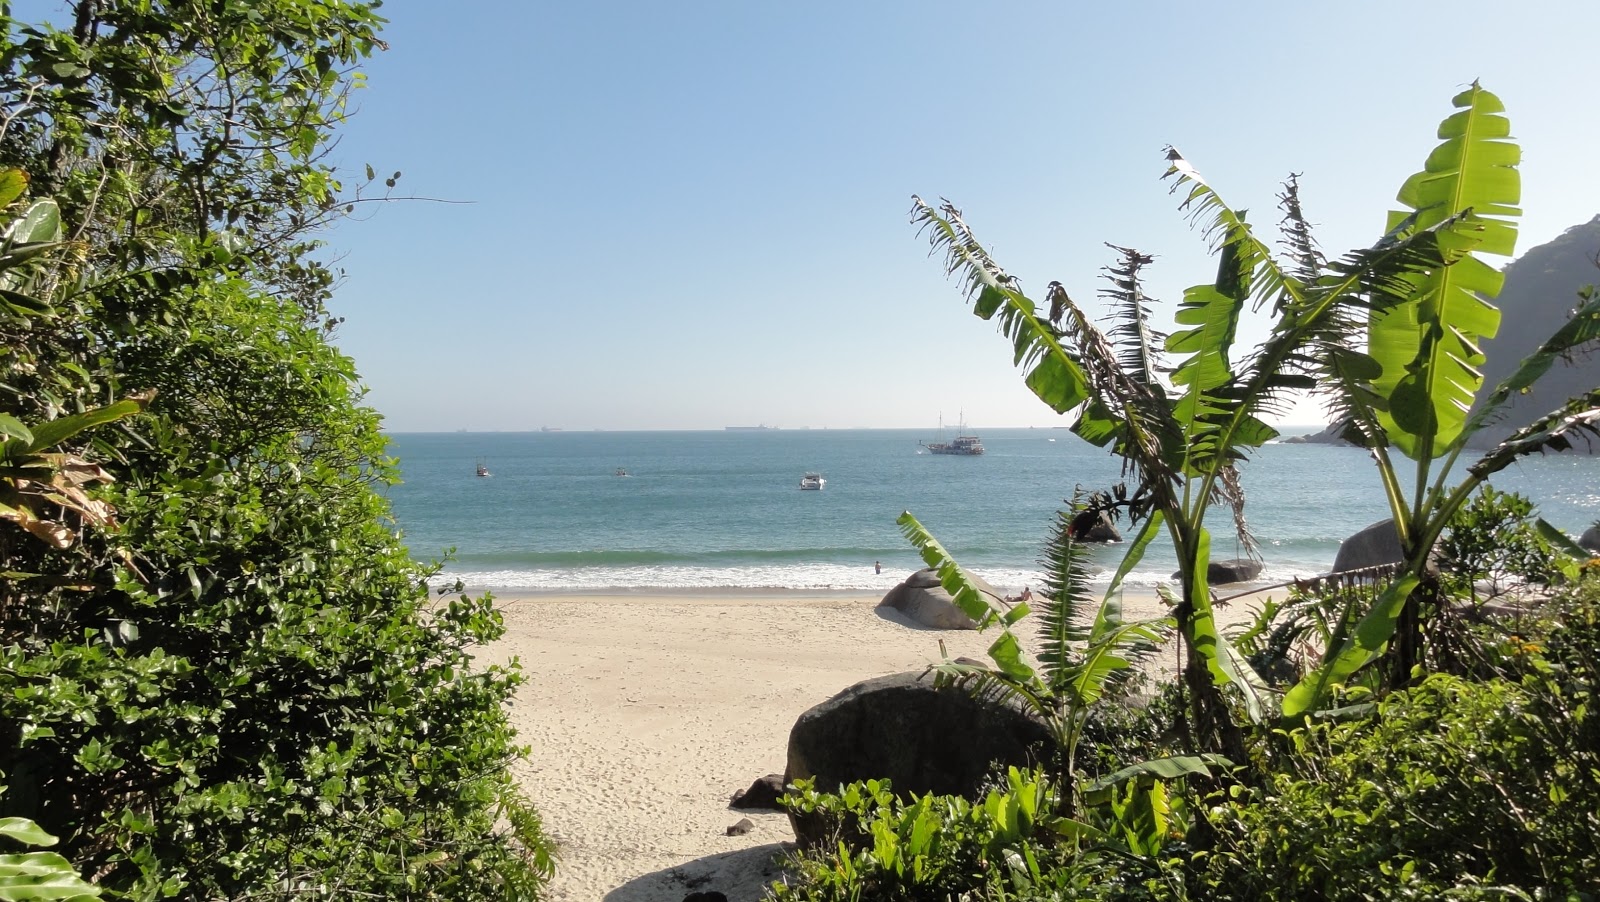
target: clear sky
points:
(693, 214)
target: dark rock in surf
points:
(1590, 540)
(1229, 570)
(1095, 526)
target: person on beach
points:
(1027, 594)
(877, 567)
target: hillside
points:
(1541, 289)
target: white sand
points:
(646, 714)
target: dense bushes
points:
(1452, 785)
(1445, 788)
(238, 685)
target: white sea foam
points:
(788, 577)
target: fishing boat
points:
(812, 482)
(483, 470)
(965, 443)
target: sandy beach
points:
(645, 714)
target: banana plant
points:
(1418, 393)
(1182, 438)
(1391, 330)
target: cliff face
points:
(1540, 290)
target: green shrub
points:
(1450, 787)
(932, 847)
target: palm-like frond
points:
(1220, 223)
(1428, 346)
(1306, 260)
(1218, 415)
(1132, 416)
(1110, 662)
(1230, 491)
(992, 686)
(1579, 418)
(1052, 373)
(1345, 656)
(1207, 403)
(1138, 345)
(1063, 601)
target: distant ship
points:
(961, 444)
(762, 428)
(966, 445)
(549, 428)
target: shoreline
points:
(644, 713)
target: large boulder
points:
(921, 598)
(1229, 570)
(1375, 545)
(921, 737)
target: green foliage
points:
(1444, 788)
(1423, 332)
(1427, 343)
(1182, 442)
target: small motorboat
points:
(812, 482)
(623, 471)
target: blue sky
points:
(691, 215)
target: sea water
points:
(723, 511)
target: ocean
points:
(722, 511)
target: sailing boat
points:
(965, 443)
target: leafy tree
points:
(242, 686)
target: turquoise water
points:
(723, 510)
